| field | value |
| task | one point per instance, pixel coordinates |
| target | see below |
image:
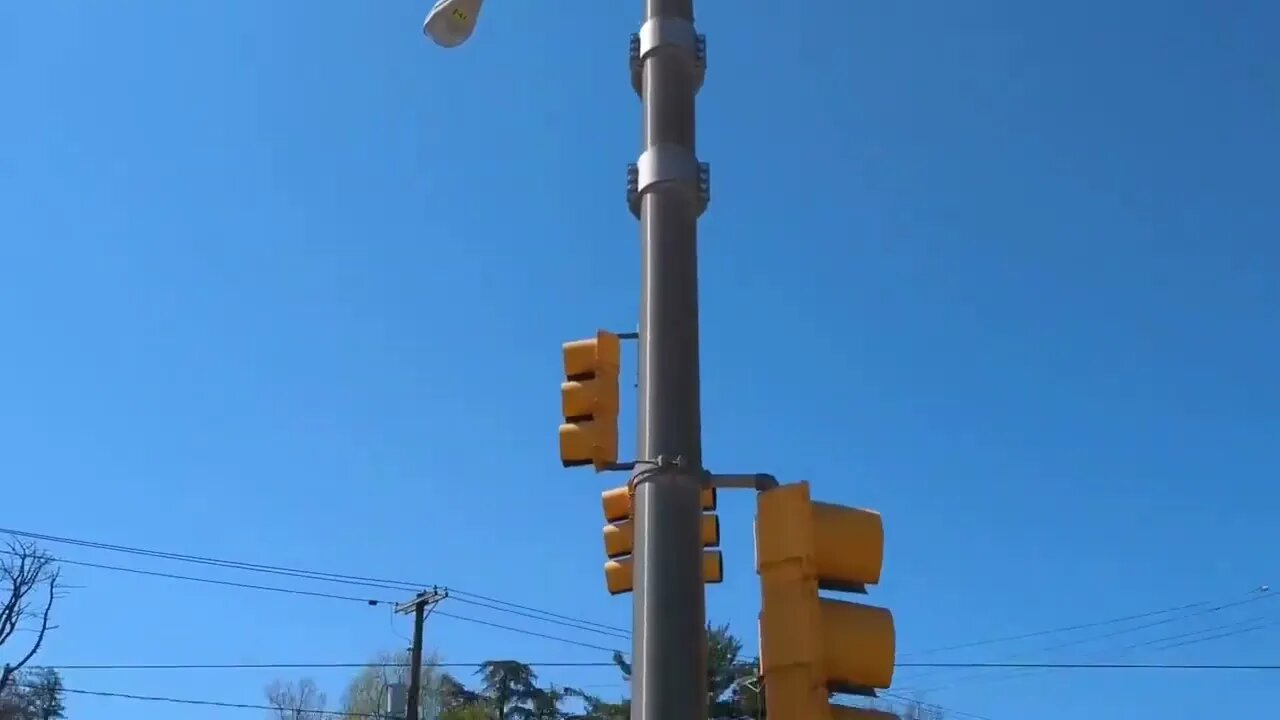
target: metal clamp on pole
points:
(662, 469)
(669, 167)
(665, 32)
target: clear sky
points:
(283, 282)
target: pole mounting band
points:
(664, 468)
(668, 167)
(667, 33)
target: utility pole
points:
(668, 190)
(418, 606)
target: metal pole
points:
(415, 662)
(669, 647)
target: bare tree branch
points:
(24, 569)
(302, 700)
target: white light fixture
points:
(451, 22)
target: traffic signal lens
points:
(866, 657)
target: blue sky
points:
(282, 282)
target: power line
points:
(358, 665)
(936, 706)
(530, 633)
(207, 703)
(298, 666)
(1054, 631)
(333, 596)
(347, 579)
(1096, 666)
(370, 716)
(337, 713)
(227, 583)
(1261, 594)
(1219, 636)
(554, 621)
(1253, 596)
(454, 593)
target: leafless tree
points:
(30, 577)
(367, 692)
(300, 700)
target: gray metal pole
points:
(669, 193)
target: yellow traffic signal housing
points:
(619, 575)
(619, 539)
(811, 646)
(589, 401)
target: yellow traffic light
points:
(619, 539)
(811, 645)
(619, 575)
(589, 401)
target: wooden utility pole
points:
(419, 606)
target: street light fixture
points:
(451, 22)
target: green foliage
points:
(731, 692)
(509, 690)
(470, 712)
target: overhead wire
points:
(534, 613)
(1052, 631)
(372, 716)
(602, 664)
(531, 633)
(1220, 636)
(333, 713)
(461, 595)
(943, 708)
(227, 583)
(334, 596)
(468, 601)
(1255, 596)
(207, 703)
(300, 666)
(338, 713)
